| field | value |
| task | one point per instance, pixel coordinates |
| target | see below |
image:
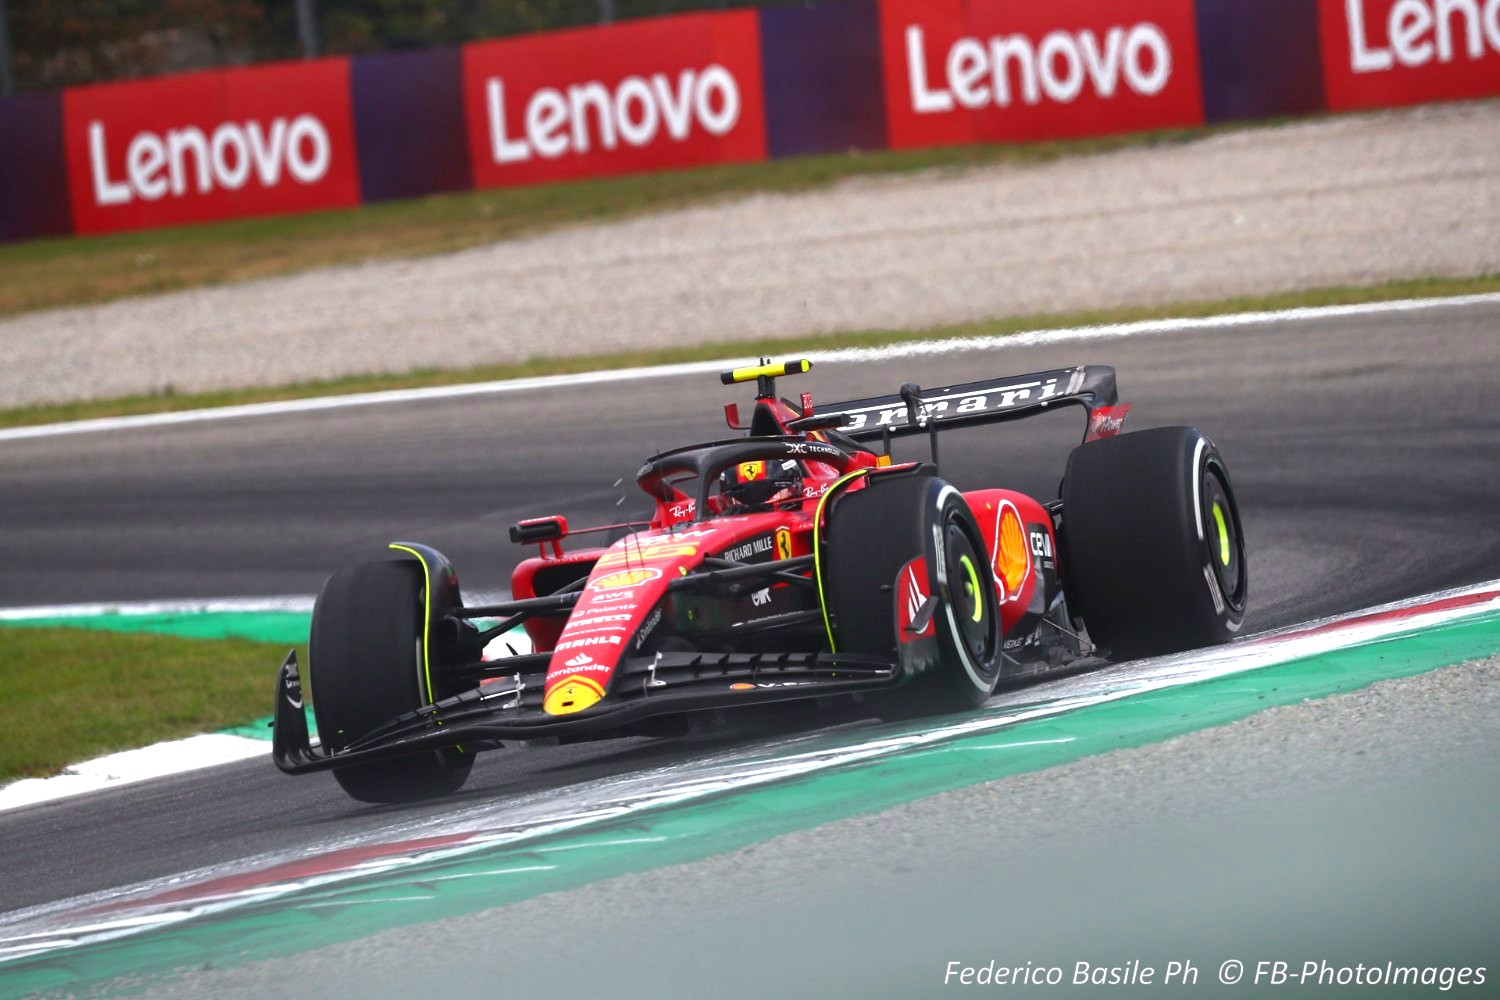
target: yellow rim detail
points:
(818, 549)
(968, 565)
(426, 615)
(1223, 534)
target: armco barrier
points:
(705, 88)
(1259, 58)
(33, 171)
(823, 80)
(409, 124)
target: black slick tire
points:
(1152, 548)
(366, 668)
(872, 535)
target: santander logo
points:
(1004, 69)
(189, 159)
(588, 116)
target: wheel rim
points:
(971, 611)
(1221, 536)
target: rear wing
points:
(919, 411)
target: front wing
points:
(644, 686)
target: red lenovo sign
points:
(671, 92)
(204, 146)
(1377, 53)
(993, 70)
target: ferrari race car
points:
(794, 562)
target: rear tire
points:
(1153, 553)
(872, 535)
(366, 668)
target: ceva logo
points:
(214, 145)
(1000, 70)
(186, 159)
(645, 95)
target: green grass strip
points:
(171, 402)
(287, 628)
(72, 693)
(486, 879)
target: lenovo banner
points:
(256, 141)
(960, 71)
(648, 95)
(1378, 53)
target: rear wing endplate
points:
(983, 402)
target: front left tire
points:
(874, 536)
(367, 668)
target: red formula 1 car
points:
(795, 562)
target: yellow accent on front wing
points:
(572, 695)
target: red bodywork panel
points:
(1018, 535)
(626, 595)
(628, 580)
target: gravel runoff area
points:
(1348, 200)
(1356, 828)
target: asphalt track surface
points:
(1362, 450)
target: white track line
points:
(902, 350)
(231, 605)
(291, 603)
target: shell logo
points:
(648, 553)
(1012, 554)
(572, 695)
(625, 578)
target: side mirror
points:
(539, 529)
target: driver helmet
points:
(760, 485)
